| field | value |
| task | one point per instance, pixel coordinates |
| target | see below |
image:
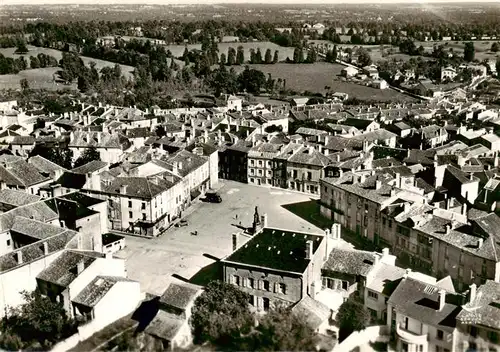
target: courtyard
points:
(178, 253)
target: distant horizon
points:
(239, 2)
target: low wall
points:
(363, 337)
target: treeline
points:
(9, 65)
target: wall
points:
(214, 168)
(260, 170)
(90, 228)
(102, 208)
(12, 282)
(121, 299)
(6, 243)
(294, 287)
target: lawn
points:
(315, 77)
(43, 78)
(178, 50)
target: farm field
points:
(482, 48)
(314, 78)
(43, 78)
(178, 50)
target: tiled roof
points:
(420, 301)
(265, 150)
(179, 296)
(140, 187)
(485, 308)
(165, 325)
(91, 166)
(351, 262)
(23, 140)
(21, 173)
(89, 139)
(276, 249)
(340, 143)
(385, 278)
(35, 251)
(37, 211)
(310, 131)
(97, 289)
(309, 156)
(63, 270)
(377, 135)
(34, 228)
(45, 165)
(188, 160)
(82, 199)
(17, 198)
(315, 313)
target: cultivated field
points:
(44, 78)
(315, 77)
(178, 50)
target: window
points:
(266, 285)
(402, 230)
(383, 221)
(440, 334)
(309, 175)
(282, 288)
(8, 242)
(252, 171)
(260, 162)
(473, 331)
(373, 295)
(143, 216)
(294, 173)
(345, 285)
(252, 162)
(130, 214)
(251, 282)
(390, 224)
(493, 336)
(251, 180)
(236, 280)
(143, 206)
(130, 204)
(260, 172)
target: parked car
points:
(213, 197)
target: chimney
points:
(235, 241)
(376, 259)
(472, 293)
(19, 256)
(398, 180)
(407, 273)
(378, 184)
(80, 267)
(471, 177)
(495, 161)
(362, 178)
(309, 250)
(337, 157)
(326, 152)
(327, 138)
(479, 242)
(264, 220)
(442, 299)
(123, 189)
(45, 248)
(448, 228)
(385, 252)
(464, 209)
(98, 137)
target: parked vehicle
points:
(213, 197)
(181, 223)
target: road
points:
(153, 261)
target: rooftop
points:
(96, 290)
(484, 309)
(347, 261)
(276, 249)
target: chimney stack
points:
(80, 267)
(464, 209)
(309, 250)
(235, 241)
(45, 248)
(472, 293)
(19, 256)
(448, 228)
(378, 184)
(480, 242)
(264, 220)
(385, 252)
(442, 299)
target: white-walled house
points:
(110, 146)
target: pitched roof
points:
(165, 325)
(309, 156)
(64, 269)
(34, 228)
(314, 312)
(17, 198)
(348, 261)
(21, 173)
(484, 308)
(420, 300)
(276, 249)
(44, 165)
(72, 180)
(179, 295)
(140, 187)
(91, 166)
(90, 139)
(91, 294)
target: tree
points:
(352, 316)
(281, 330)
(469, 51)
(258, 56)
(25, 85)
(21, 47)
(497, 66)
(219, 314)
(34, 62)
(160, 131)
(251, 80)
(60, 156)
(364, 58)
(276, 57)
(222, 59)
(297, 55)
(268, 58)
(38, 321)
(90, 154)
(240, 56)
(495, 47)
(231, 57)
(311, 56)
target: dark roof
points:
(140, 187)
(276, 249)
(72, 180)
(360, 124)
(349, 262)
(23, 140)
(82, 199)
(420, 300)
(108, 238)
